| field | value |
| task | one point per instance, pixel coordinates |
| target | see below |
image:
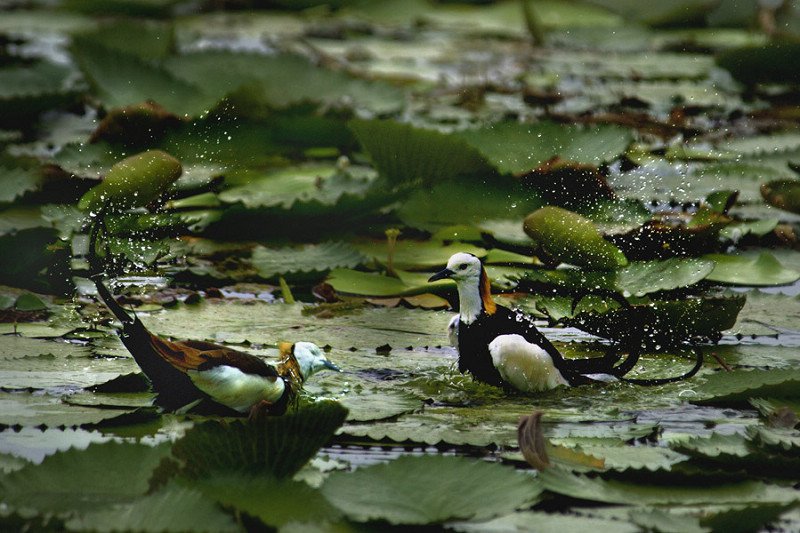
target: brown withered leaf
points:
(531, 440)
(135, 125)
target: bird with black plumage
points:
(504, 347)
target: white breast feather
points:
(525, 366)
(452, 331)
(235, 389)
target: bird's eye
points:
(463, 266)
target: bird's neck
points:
(475, 298)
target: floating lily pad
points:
(612, 491)
(732, 388)
(515, 148)
(644, 277)
(311, 258)
(417, 255)
(173, 508)
(404, 154)
(273, 501)
(783, 194)
(278, 446)
(429, 489)
(73, 480)
(763, 270)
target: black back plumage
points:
(173, 388)
(474, 356)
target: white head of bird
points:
(474, 295)
(311, 359)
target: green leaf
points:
(746, 519)
(37, 260)
(310, 258)
(546, 523)
(29, 302)
(375, 284)
(173, 508)
(134, 182)
(146, 39)
(583, 487)
(429, 490)
(83, 480)
(17, 181)
(515, 148)
(570, 238)
(762, 64)
(404, 154)
(282, 80)
(311, 185)
(417, 255)
(732, 388)
(764, 270)
(110, 73)
(273, 501)
(277, 446)
(28, 91)
(645, 277)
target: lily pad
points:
(273, 501)
(429, 489)
(644, 277)
(311, 258)
(407, 155)
(620, 492)
(417, 255)
(733, 388)
(173, 508)
(763, 270)
(374, 284)
(73, 480)
(783, 194)
(278, 446)
(515, 148)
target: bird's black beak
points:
(442, 274)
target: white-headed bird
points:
(503, 347)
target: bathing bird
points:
(504, 347)
(212, 378)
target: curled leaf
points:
(134, 182)
(531, 441)
(570, 238)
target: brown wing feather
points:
(199, 355)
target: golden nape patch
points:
(285, 348)
(489, 306)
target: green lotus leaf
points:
(374, 284)
(417, 255)
(282, 80)
(547, 523)
(273, 501)
(644, 277)
(429, 490)
(30, 302)
(748, 518)
(404, 154)
(783, 194)
(308, 259)
(277, 446)
(733, 388)
(781, 440)
(18, 181)
(515, 148)
(761, 64)
(578, 486)
(669, 13)
(146, 39)
(767, 314)
(133, 182)
(133, 8)
(110, 72)
(763, 270)
(570, 238)
(29, 90)
(35, 259)
(652, 519)
(83, 480)
(173, 508)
